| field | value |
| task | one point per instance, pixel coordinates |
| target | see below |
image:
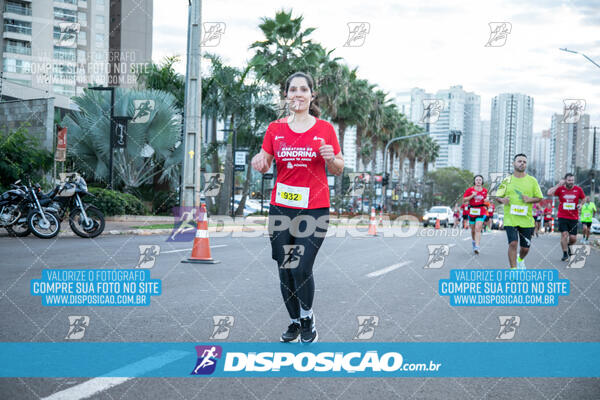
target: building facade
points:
(572, 145)
(511, 130)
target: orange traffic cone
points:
(201, 249)
(437, 223)
(372, 224)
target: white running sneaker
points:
(521, 264)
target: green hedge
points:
(116, 203)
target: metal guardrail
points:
(8, 48)
(17, 9)
(25, 30)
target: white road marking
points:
(190, 249)
(387, 269)
(96, 385)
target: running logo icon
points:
(222, 326)
(212, 33)
(293, 252)
(573, 110)
(207, 359)
(213, 182)
(366, 326)
(579, 255)
(148, 254)
(142, 110)
(357, 184)
(437, 255)
(496, 178)
(184, 226)
(499, 32)
(68, 34)
(431, 110)
(357, 33)
(77, 326)
(508, 326)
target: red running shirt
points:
(301, 178)
(491, 209)
(477, 201)
(465, 209)
(569, 199)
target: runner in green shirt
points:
(518, 192)
(588, 209)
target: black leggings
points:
(296, 236)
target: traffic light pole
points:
(456, 137)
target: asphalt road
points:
(379, 276)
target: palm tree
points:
(153, 147)
(163, 77)
(430, 154)
(245, 107)
(285, 49)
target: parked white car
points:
(443, 213)
(595, 226)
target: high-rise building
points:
(130, 40)
(484, 160)
(349, 148)
(511, 129)
(471, 134)
(539, 158)
(458, 110)
(53, 46)
(56, 48)
(573, 145)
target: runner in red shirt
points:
(303, 146)
(465, 215)
(476, 196)
(537, 217)
(491, 207)
(569, 196)
(547, 219)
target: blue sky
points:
(432, 46)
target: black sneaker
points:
(309, 333)
(292, 333)
(569, 248)
(564, 257)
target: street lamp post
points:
(112, 127)
(233, 148)
(586, 57)
(594, 127)
(593, 172)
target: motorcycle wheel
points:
(96, 226)
(18, 229)
(37, 226)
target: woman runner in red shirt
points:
(302, 146)
(476, 197)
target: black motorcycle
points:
(85, 220)
(42, 221)
(14, 208)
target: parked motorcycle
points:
(42, 221)
(14, 208)
(85, 220)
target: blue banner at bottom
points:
(351, 359)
